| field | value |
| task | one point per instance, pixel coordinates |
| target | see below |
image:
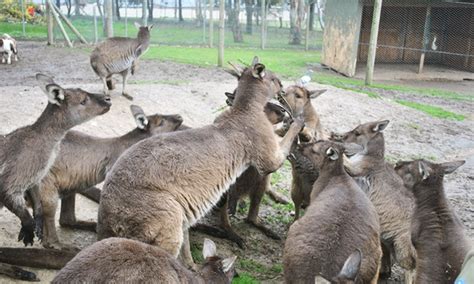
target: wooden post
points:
(96, 34)
(144, 13)
(50, 20)
(211, 23)
(23, 11)
(374, 32)
(306, 43)
(220, 58)
(61, 27)
(109, 18)
(262, 36)
(70, 25)
(426, 38)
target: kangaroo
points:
(303, 173)
(118, 55)
(163, 185)
(117, 260)
(339, 220)
(394, 204)
(348, 272)
(83, 161)
(27, 153)
(437, 233)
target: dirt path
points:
(198, 95)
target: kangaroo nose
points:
(178, 118)
(108, 100)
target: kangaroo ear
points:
(424, 170)
(55, 93)
(228, 263)
(258, 70)
(150, 27)
(320, 280)
(137, 25)
(351, 267)
(230, 98)
(140, 117)
(236, 70)
(316, 93)
(450, 167)
(352, 148)
(380, 125)
(209, 249)
(255, 60)
(332, 153)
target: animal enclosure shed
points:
(439, 32)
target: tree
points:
(151, 6)
(77, 6)
(311, 15)
(296, 18)
(234, 12)
(249, 12)
(117, 9)
(199, 15)
(180, 10)
(68, 6)
(58, 3)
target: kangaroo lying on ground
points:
(437, 233)
(393, 202)
(339, 220)
(117, 55)
(83, 161)
(163, 185)
(303, 173)
(27, 153)
(117, 260)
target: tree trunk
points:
(151, 6)
(199, 17)
(236, 30)
(296, 18)
(58, 3)
(180, 10)
(117, 9)
(257, 22)
(311, 16)
(68, 5)
(99, 7)
(249, 11)
(77, 7)
(109, 23)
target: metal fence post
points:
(220, 57)
(96, 34)
(262, 36)
(211, 23)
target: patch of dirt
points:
(198, 95)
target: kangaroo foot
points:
(266, 231)
(219, 232)
(60, 246)
(127, 96)
(16, 272)
(27, 233)
(39, 227)
(277, 197)
(81, 225)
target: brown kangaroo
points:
(117, 260)
(348, 272)
(27, 153)
(161, 186)
(83, 161)
(339, 220)
(437, 233)
(393, 202)
(303, 173)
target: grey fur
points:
(84, 161)
(27, 153)
(117, 260)
(118, 55)
(437, 233)
(339, 220)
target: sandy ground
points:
(198, 95)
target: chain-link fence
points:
(421, 33)
(185, 22)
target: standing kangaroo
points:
(393, 202)
(118, 55)
(27, 153)
(161, 186)
(117, 260)
(339, 220)
(303, 173)
(437, 233)
(83, 161)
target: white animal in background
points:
(7, 48)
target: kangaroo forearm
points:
(287, 141)
(93, 193)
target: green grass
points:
(256, 270)
(196, 252)
(245, 278)
(432, 110)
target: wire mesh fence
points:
(187, 26)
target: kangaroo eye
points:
(84, 101)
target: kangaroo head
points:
(298, 98)
(256, 84)
(419, 172)
(157, 123)
(348, 273)
(75, 105)
(143, 31)
(364, 134)
(327, 155)
(275, 113)
(216, 269)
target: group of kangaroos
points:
(361, 214)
